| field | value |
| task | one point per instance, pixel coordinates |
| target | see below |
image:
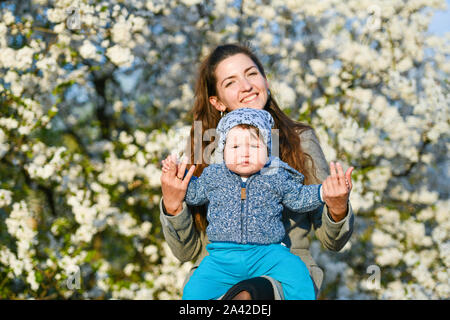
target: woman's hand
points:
(336, 190)
(173, 184)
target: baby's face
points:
(245, 153)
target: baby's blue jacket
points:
(257, 218)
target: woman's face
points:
(240, 84)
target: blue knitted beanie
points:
(258, 118)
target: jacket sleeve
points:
(300, 198)
(196, 191)
(185, 241)
(332, 235)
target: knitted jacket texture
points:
(250, 212)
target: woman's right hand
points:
(173, 184)
(336, 191)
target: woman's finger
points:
(166, 164)
(340, 172)
(188, 176)
(171, 167)
(325, 188)
(333, 169)
(348, 177)
(342, 182)
(334, 179)
(168, 159)
(182, 168)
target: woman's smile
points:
(249, 98)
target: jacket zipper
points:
(244, 208)
(243, 199)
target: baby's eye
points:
(255, 145)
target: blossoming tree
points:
(95, 93)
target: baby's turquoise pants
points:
(229, 263)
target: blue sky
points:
(440, 23)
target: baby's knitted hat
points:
(258, 118)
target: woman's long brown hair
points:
(289, 130)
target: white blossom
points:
(120, 56)
(88, 50)
(285, 94)
(4, 146)
(389, 256)
(121, 32)
(5, 198)
(56, 15)
(319, 67)
(190, 2)
(382, 239)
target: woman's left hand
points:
(336, 190)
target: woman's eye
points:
(253, 73)
(228, 84)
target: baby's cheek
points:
(232, 167)
(261, 158)
(260, 165)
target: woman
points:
(232, 77)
